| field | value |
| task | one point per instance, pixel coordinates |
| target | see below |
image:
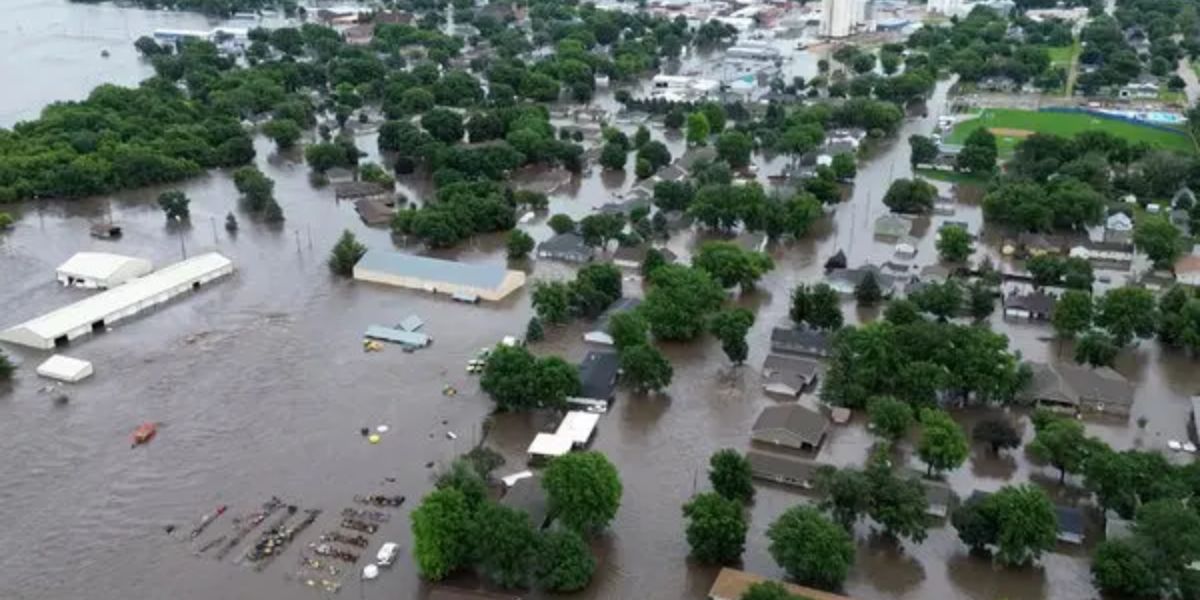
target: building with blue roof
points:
(453, 278)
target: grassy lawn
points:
(1167, 95)
(1062, 56)
(1014, 125)
(952, 176)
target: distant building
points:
(1118, 228)
(840, 18)
(1187, 270)
(631, 257)
(101, 270)
(1034, 306)
(462, 280)
(796, 426)
(789, 375)
(803, 341)
(567, 247)
(1080, 389)
(600, 335)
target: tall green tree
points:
(868, 292)
(924, 150)
(734, 147)
(345, 254)
(1096, 348)
(552, 301)
(845, 494)
(679, 302)
(1159, 239)
(729, 474)
(730, 265)
(716, 528)
(998, 433)
(645, 368)
(174, 204)
(697, 129)
(890, 418)
(979, 152)
(812, 549)
(731, 326)
(441, 530)
(1072, 313)
(1127, 312)
(898, 504)
(583, 489)
(564, 561)
(943, 444)
(500, 540)
(1060, 442)
(1026, 524)
(954, 244)
(519, 244)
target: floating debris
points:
(450, 435)
(373, 516)
(358, 541)
(275, 540)
(380, 500)
(449, 390)
(373, 438)
(244, 525)
(382, 429)
(210, 545)
(207, 520)
(324, 549)
(357, 525)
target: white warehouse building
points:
(463, 281)
(98, 312)
(840, 18)
(101, 270)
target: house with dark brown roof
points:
(731, 584)
(798, 426)
(1034, 306)
(374, 211)
(789, 375)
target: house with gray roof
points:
(892, 226)
(1034, 306)
(778, 468)
(789, 376)
(528, 496)
(844, 281)
(938, 494)
(803, 341)
(598, 376)
(1080, 389)
(1070, 524)
(459, 279)
(631, 257)
(798, 426)
(567, 247)
(599, 334)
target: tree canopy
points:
(583, 489)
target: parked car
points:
(387, 554)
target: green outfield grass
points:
(1063, 55)
(1014, 125)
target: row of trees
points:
(593, 290)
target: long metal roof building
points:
(98, 312)
(490, 282)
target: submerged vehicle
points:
(144, 433)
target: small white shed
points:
(101, 270)
(549, 445)
(65, 368)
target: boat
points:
(144, 433)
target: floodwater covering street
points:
(260, 383)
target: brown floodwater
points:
(261, 385)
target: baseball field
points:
(1011, 126)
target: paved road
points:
(1192, 89)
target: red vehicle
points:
(144, 433)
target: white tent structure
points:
(98, 312)
(549, 445)
(101, 270)
(65, 368)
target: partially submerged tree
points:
(730, 326)
(519, 244)
(890, 418)
(583, 489)
(716, 528)
(729, 474)
(998, 433)
(943, 444)
(346, 253)
(174, 204)
(564, 561)
(812, 549)
(645, 368)
(441, 529)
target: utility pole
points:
(213, 222)
(182, 246)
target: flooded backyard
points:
(261, 384)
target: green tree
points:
(272, 212)
(645, 368)
(767, 590)
(697, 129)
(613, 156)
(463, 477)
(583, 489)
(844, 493)
(443, 124)
(642, 168)
(924, 150)
(715, 115)
(731, 326)
(868, 292)
(345, 254)
(6, 368)
(552, 301)
(910, 196)
(174, 205)
(730, 265)
(517, 380)
(1127, 312)
(534, 332)
(641, 136)
(441, 530)
(810, 548)
(561, 223)
(734, 147)
(1072, 313)
(729, 474)
(284, 132)
(675, 119)
(901, 312)
(981, 300)
(628, 329)
(1124, 569)
(1060, 442)
(1096, 348)
(1046, 269)
(998, 433)
(564, 562)
(500, 541)
(954, 244)
(943, 444)
(653, 259)
(818, 306)
(519, 244)
(898, 504)
(6, 221)
(1025, 521)
(324, 156)
(844, 166)
(716, 528)
(979, 152)
(890, 418)
(679, 302)
(1158, 239)
(942, 300)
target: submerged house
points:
(789, 375)
(600, 335)
(803, 341)
(1034, 306)
(1079, 389)
(797, 426)
(101, 270)
(567, 247)
(787, 470)
(598, 373)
